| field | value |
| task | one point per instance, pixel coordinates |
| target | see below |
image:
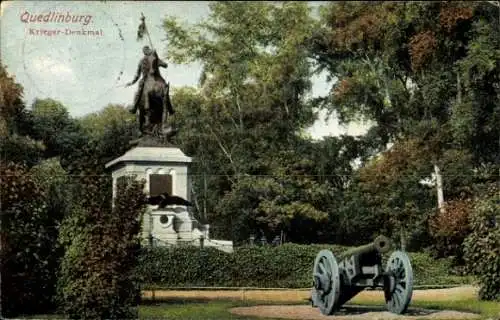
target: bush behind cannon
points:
(336, 283)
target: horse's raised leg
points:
(140, 120)
(164, 111)
(147, 112)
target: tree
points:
(51, 123)
(96, 124)
(392, 185)
(88, 143)
(419, 70)
(11, 104)
(49, 120)
(15, 145)
(33, 202)
(275, 203)
(251, 104)
(413, 68)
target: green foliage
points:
(21, 149)
(286, 266)
(482, 246)
(411, 65)
(94, 140)
(102, 244)
(427, 270)
(272, 203)
(390, 186)
(15, 145)
(246, 120)
(50, 122)
(254, 184)
(199, 309)
(96, 124)
(424, 72)
(193, 310)
(11, 103)
(32, 209)
(33, 218)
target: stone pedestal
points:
(165, 169)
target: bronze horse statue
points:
(153, 98)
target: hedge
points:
(286, 266)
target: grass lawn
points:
(215, 305)
(194, 310)
(219, 309)
(487, 309)
(201, 305)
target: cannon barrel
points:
(382, 244)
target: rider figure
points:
(146, 68)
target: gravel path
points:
(298, 296)
(304, 312)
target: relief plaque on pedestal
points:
(159, 184)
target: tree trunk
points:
(204, 198)
(402, 237)
(439, 187)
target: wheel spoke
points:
(322, 268)
(328, 265)
(401, 273)
(400, 264)
(400, 289)
(400, 299)
(393, 264)
(401, 281)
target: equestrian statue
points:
(152, 100)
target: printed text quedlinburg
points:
(55, 17)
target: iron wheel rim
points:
(399, 267)
(326, 270)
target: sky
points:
(44, 48)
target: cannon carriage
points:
(336, 282)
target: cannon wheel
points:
(399, 289)
(326, 282)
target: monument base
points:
(165, 169)
(152, 141)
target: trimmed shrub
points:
(482, 247)
(102, 245)
(286, 266)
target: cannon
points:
(335, 283)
